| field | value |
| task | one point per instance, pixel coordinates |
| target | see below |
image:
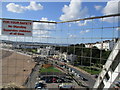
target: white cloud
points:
(34, 6)
(36, 32)
(73, 11)
(98, 7)
(118, 29)
(44, 26)
(111, 8)
(3, 37)
(42, 29)
(84, 23)
(85, 31)
(12, 7)
(44, 36)
(72, 36)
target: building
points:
(6, 44)
(47, 51)
(65, 57)
(104, 45)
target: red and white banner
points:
(14, 27)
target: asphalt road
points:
(91, 80)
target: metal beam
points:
(112, 15)
(28, 20)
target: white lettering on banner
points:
(13, 27)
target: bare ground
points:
(15, 67)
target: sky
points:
(72, 32)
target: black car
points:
(84, 79)
(40, 86)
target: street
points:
(32, 79)
(90, 79)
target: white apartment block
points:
(106, 45)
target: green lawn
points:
(50, 69)
(91, 70)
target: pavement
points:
(32, 79)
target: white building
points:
(106, 45)
(5, 45)
(46, 51)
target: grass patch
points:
(91, 70)
(49, 69)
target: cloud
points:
(85, 31)
(73, 11)
(43, 26)
(84, 23)
(111, 8)
(36, 32)
(34, 6)
(44, 36)
(72, 36)
(12, 7)
(118, 29)
(42, 29)
(98, 7)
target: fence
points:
(85, 44)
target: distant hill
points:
(32, 43)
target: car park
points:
(56, 79)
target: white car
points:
(66, 86)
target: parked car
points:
(66, 86)
(84, 79)
(40, 85)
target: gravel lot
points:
(16, 67)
